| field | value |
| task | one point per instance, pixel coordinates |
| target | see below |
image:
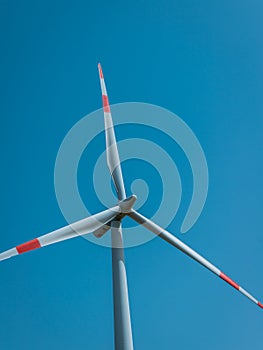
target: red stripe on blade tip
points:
(100, 70)
(105, 102)
(25, 247)
(260, 305)
(228, 280)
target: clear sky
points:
(203, 61)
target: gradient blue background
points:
(202, 60)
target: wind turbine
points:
(111, 219)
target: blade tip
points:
(100, 70)
(260, 305)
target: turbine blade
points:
(168, 237)
(79, 228)
(102, 230)
(113, 159)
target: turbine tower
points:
(111, 219)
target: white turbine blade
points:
(168, 237)
(101, 230)
(79, 228)
(113, 159)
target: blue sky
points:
(203, 61)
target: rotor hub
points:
(127, 204)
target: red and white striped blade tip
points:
(100, 71)
(20, 249)
(238, 287)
